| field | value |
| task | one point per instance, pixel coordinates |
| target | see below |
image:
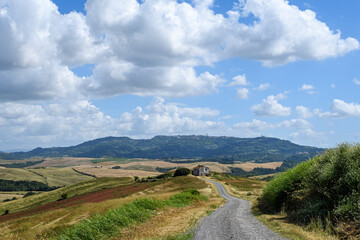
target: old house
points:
(201, 170)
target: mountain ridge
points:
(259, 149)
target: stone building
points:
(201, 170)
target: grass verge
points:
(140, 210)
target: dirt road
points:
(234, 220)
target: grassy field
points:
(53, 221)
(50, 176)
(7, 195)
(72, 190)
(138, 167)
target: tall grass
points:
(325, 188)
(140, 210)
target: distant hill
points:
(173, 148)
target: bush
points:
(28, 194)
(181, 172)
(63, 196)
(327, 186)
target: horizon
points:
(27, 150)
(77, 70)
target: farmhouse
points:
(201, 170)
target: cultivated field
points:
(148, 167)
(50, 176)
(49, 219)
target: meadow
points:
(50, 176)
(92, 200)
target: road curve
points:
(234, 220)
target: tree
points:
(181, 172)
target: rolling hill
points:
(174, 148)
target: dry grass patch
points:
(249, 166)
(50, 176)
(101, 171)
(280, 224)
(63, 162)
(9, 195)
(170, 221)
(17, 174)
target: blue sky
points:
(72, 71)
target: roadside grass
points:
(72, 190)
(138, 211)
(321, 194)
(251, 189)
(245, 188)
(171, 223)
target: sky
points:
(73, 71)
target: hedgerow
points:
(326, 187)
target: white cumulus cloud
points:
(271, 107)
(342, 109)
(243, 93)
(239, 80)
(30, 126)
(263, 86)
(148, 48)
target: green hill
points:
(172, 148)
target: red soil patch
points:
(93, 197)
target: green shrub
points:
(327, 186)
(28, 194)
(181, 172)
(63, 196)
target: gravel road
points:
(233, 221)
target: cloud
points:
(306, 87)
(263, 86)
(239, 80)
(115, 78)
(255, 125)
(48, 125)
(294, 123)
(271, 107)
(333, 86)
(356, 81)
(68, 123)
(283, 33)
(342, 109)
(308, 135)
(148, 48)
(258, 125)
(243, 93)
(161, 118)
(37, 47)
(304, 112)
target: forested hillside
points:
(172, 148)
